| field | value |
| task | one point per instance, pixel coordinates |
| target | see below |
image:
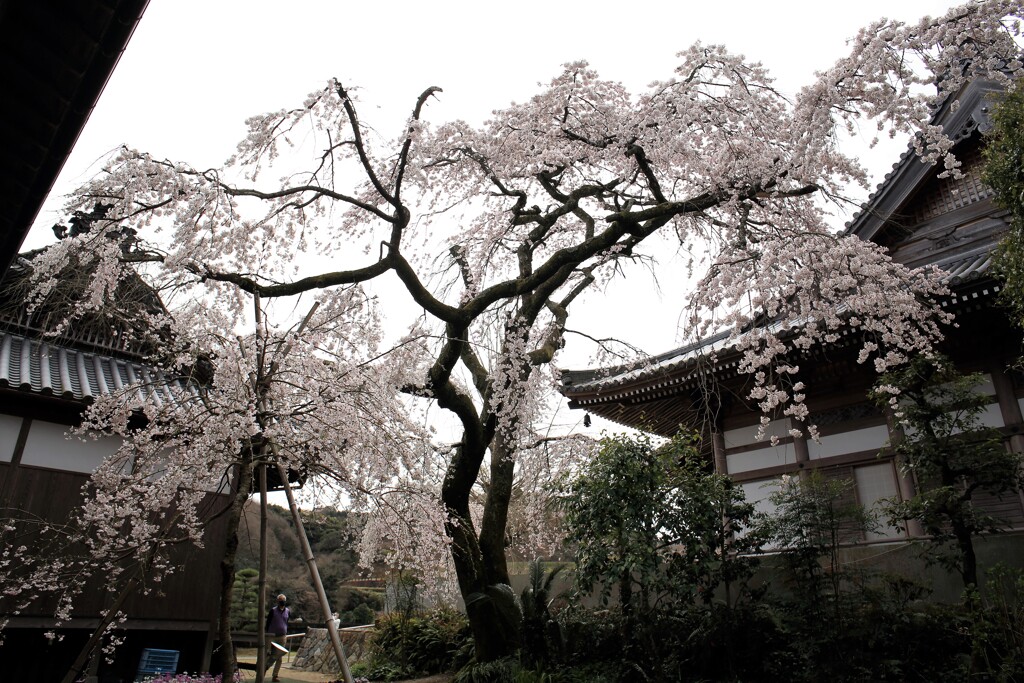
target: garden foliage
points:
(953, 457)
(1004, 173)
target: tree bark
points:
(226, 653)
(494, 523)
(626, 605)
(962, 532)
(491, 610)
(970, 561)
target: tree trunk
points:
(961, 530)
(243, 486)
(493, 614)
(626, 605)
(480, 565)
(969, 569)
(494, 522)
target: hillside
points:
(333, 535)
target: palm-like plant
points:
(539, 626)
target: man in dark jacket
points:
(277, 629)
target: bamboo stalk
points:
(97, 635)
(261, 600)
(314, 575)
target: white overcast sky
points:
(196, 69)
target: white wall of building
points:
(48, 445)
(9, 428)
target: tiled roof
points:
(960, 267)
(47, 369)
(972, 267)
(111, 330)
(959, 122)
(964, 269)
(573, 380)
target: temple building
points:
(921, 219)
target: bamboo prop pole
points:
(300, 531)
(261, 600)
(97, 635)
(261, 582)
(314, 575)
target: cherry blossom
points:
(494, 233)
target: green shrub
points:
(244, 601)
(361, 615)
(997, 625)
(499, 671)
(407, 646)
(541, 634)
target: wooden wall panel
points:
(190, 593)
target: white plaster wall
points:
(991, 416)
(769, 456)
(876, 483)
(9, 428)
(744, 436)
(866, 439)
(758, 492)
(48, 446)
(987, 386)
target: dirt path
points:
(290, 675)
(295, 676)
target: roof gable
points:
(912, 193)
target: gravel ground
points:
(294, 676)
(290, 675)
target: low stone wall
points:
(316, 653)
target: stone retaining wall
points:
(316, 653)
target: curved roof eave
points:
(959, 122)
(55, 60)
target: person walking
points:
(277, 629)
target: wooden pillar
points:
(211, 636)
(904, 480)
(1009, 408)
(800, 450)
(9, 487)
(718, 448)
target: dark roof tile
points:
(45, 368)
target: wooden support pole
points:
(314, 575)
(1009, 408)
(97, 635)
(904, 480)
(261, 599)
(300, 531)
